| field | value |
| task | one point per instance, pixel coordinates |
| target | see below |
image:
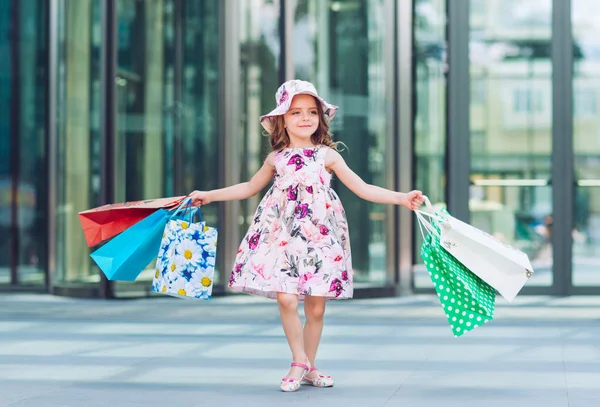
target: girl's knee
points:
(288, 302)
(314, 308)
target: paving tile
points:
(538, 351)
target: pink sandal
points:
(289, 384)
(319, 381)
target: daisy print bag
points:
(185, 266)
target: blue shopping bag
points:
(126, 255)
(185, 266)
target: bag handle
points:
(424, 223)
(424, 218)
(187, 208)
(420, 226)
(430, 211)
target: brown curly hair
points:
(280, 139)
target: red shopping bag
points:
(102, 223)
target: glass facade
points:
(191, 78)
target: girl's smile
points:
(302, 119)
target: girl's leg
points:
(314, 309)
(292, 326)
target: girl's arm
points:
(335, 163)
(239, 191)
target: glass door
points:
(511, 126)
(23, 100)
(586, 144)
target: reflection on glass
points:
(167, 102)
(511, 126)
(339, 46)
(586, 143)
(430, 111)
(22, 48)
(78, 148)
(259, 58)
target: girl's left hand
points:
(414, 199)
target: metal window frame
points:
(229, 120)
(178, 79)
(563, 176)
(282, 27)
(286, 36)
(391, 173)
(51, 141)
(458, 155)
(108, 115)
(404, 136)
(46, 139)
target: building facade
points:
(488, 106)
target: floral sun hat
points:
(284, 96)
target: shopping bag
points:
(125, 256)
(500, 265)
(101, 223)
(185, 265)
(467, 300)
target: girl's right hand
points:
(200, 198)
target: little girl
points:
(298, 248)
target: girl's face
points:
(302, 120)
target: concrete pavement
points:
(539, 351)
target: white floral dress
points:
(298, 242)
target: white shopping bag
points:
(498, 264)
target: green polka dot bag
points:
(467, 300)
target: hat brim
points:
(268, 120)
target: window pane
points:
(78, 138)
(339, 46)
(259, 59)
(142, 84)
(167, 103)
(430, 110)
(199, 115)
(32, 190)
(586, 143)
(23, 103)
(511, 129)
(200, 98)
